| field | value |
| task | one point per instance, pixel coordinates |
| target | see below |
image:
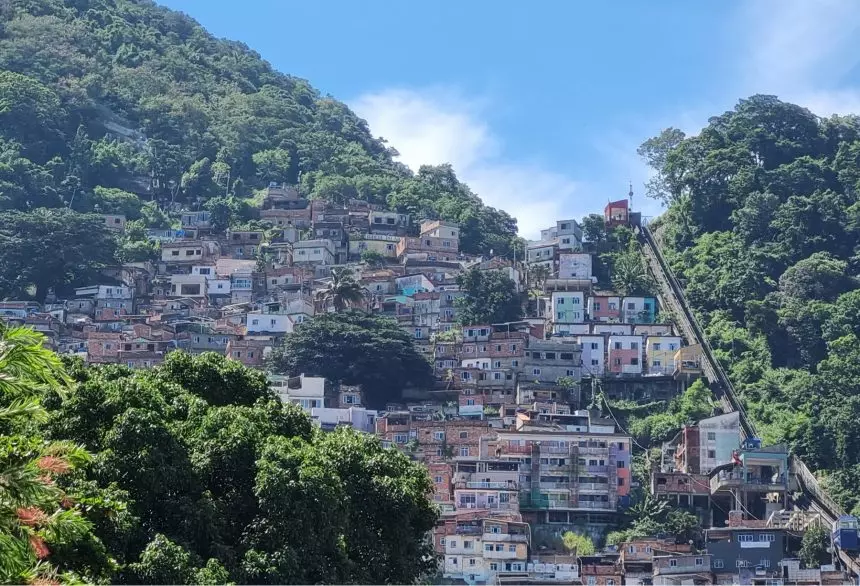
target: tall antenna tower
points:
(630, 195)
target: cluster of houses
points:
(515, 454)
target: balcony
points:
(509, 485)
(506, 537)
(502, 555)
(593, 486)
(554, 450)
(539, 503)
(735, 480)
(516, 449)
(601, 505)
(593, 450)
(555, 485)
(468, 530)
(597, 469)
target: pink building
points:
(604, 308)
(625, 354)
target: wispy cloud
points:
(803, 51)
(438, 125)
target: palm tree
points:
(342, 291)
(34, 511)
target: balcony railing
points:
(554, 450)
(509, 485)
(594, 450)
(729, 480)
(506, 537)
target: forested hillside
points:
(762, 227)
(108, 104)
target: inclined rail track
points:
(672, 295)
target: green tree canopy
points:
(491, 297)
(354, 348)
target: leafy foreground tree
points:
(813, 547)
(201, 475)
(36, 516)
(356, 349)
(491, 298)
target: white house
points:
(574, 266)
(317, 252)
(357, 417)
(593, 354)
(306, 391)
(268, 323)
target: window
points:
(471, 561)
(464, 451)
(437, 479)
(657, 363)
(712, 436)
(634, 361)
(656, 345)
(592, 580)
(631, 549)
(712, 454)
(189, 253)
(495, 529)
(512, 547)
(453, 543)
(673, 563)
(764, 563)
(617, 362)
(464, 434)
(594, 345)
(497, 376)
(618, 345)
(741, 563)
(488, 547)
(595, 362)
(515, 363)
(470, 402)
(174, 253)
(536, 371)
(620, 464)
(439, 435)
(717, 564)
(513, 347)
(700, 562)
(500, 547)
(561, 300)
(631, 306)
(400, 438)
(467, 544)
(610, 582)
(255, 322)
(634, 345)
(596, 307)
(494, 567)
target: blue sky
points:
(540, 106)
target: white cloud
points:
(802, 51)
(438, 126)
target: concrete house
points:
(568, 307)
(660, 353)
(625, 354)
(605, 308)
(593, 354)
(316, 252)
(638, 310)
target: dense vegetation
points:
(355, 348)
(112, 105)
(193, 473)
(762, 226)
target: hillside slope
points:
(763, 226)
(126, 94)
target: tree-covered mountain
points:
(762, 227)
(101, 98)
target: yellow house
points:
(660, 353)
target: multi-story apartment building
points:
(478, 551)
(566, 476)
